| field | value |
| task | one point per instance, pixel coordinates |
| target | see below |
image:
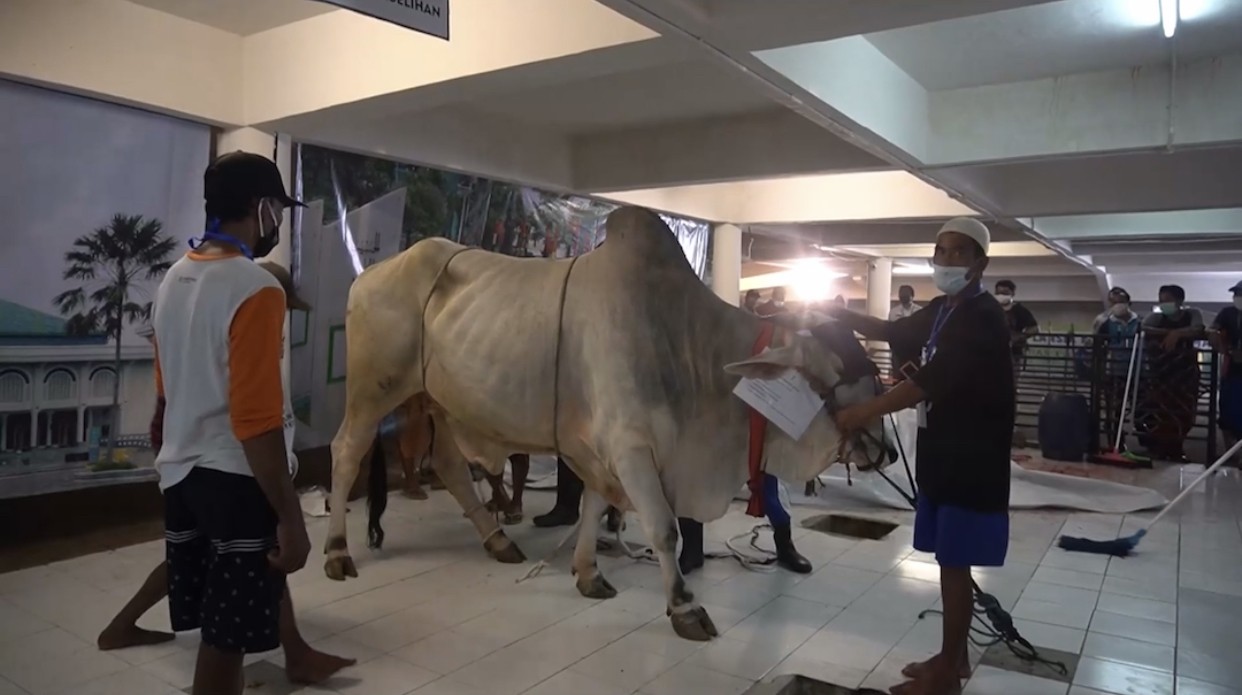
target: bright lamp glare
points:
(811, 281)
(1168, 17)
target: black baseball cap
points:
(245, 176)
(1236, 289)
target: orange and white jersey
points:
(219, 330)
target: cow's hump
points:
(639, 234)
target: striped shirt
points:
(219, 325)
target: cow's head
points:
(842, 375)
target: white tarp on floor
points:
(1028, 489)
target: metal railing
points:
(1172, 399)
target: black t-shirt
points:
(1229, 323)
(963, 452)
(1019, 318)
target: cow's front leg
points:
(638, 475)
(591, 582)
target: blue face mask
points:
(950, 279)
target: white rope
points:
(534, 571)
(755, 560)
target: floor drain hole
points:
(802, 685)
(851, 526)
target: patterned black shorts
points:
(218, 529)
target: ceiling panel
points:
(242, 17)
(1058, 38)
(1128, 182)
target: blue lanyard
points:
(942, 317)
(213, 233)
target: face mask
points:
(1237, 302)
(1005, 299)
(1169, 308)
(269, 235)
(1120, 309)
(950, 279)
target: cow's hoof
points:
(512, 518)
(339, 567)
(694, 624)
(596, 587)
(510, 554)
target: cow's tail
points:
(377, 494)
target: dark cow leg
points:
(591, 582)
(641, 481)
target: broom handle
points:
(1125, 395)
(1202, 476)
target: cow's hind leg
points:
(450, 466)
(638, 475)
(591, 582)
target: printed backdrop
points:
(365, 209)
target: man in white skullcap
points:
(964, 393)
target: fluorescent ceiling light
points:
(1168, 17)
(906, 269)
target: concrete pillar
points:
(727, 262)
(879, 287)
(278, 148)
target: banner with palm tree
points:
(99, 200)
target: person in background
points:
(1226, 337)
(905, 306)
(751, 301)
(1119, 306)
(965, 398)
(1022, 323)
(1118, 327)
(839, 301)
(905, 357)
(774, 306)
(1173, 389)
(303, 664)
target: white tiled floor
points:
(432, 615)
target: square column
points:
(727, 262)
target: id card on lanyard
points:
(929, 349)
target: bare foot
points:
(114, 637)
(310, 667)
(921, 669)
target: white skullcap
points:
(970, 227)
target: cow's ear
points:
(770, 364)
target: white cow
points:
(621, 359)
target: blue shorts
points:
(961, 537)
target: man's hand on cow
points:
(854, 417)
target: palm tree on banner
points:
(110, 261)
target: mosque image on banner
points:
(387, 206)
(100, 199)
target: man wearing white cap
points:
(964, 394)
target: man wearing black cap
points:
(233, 525)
